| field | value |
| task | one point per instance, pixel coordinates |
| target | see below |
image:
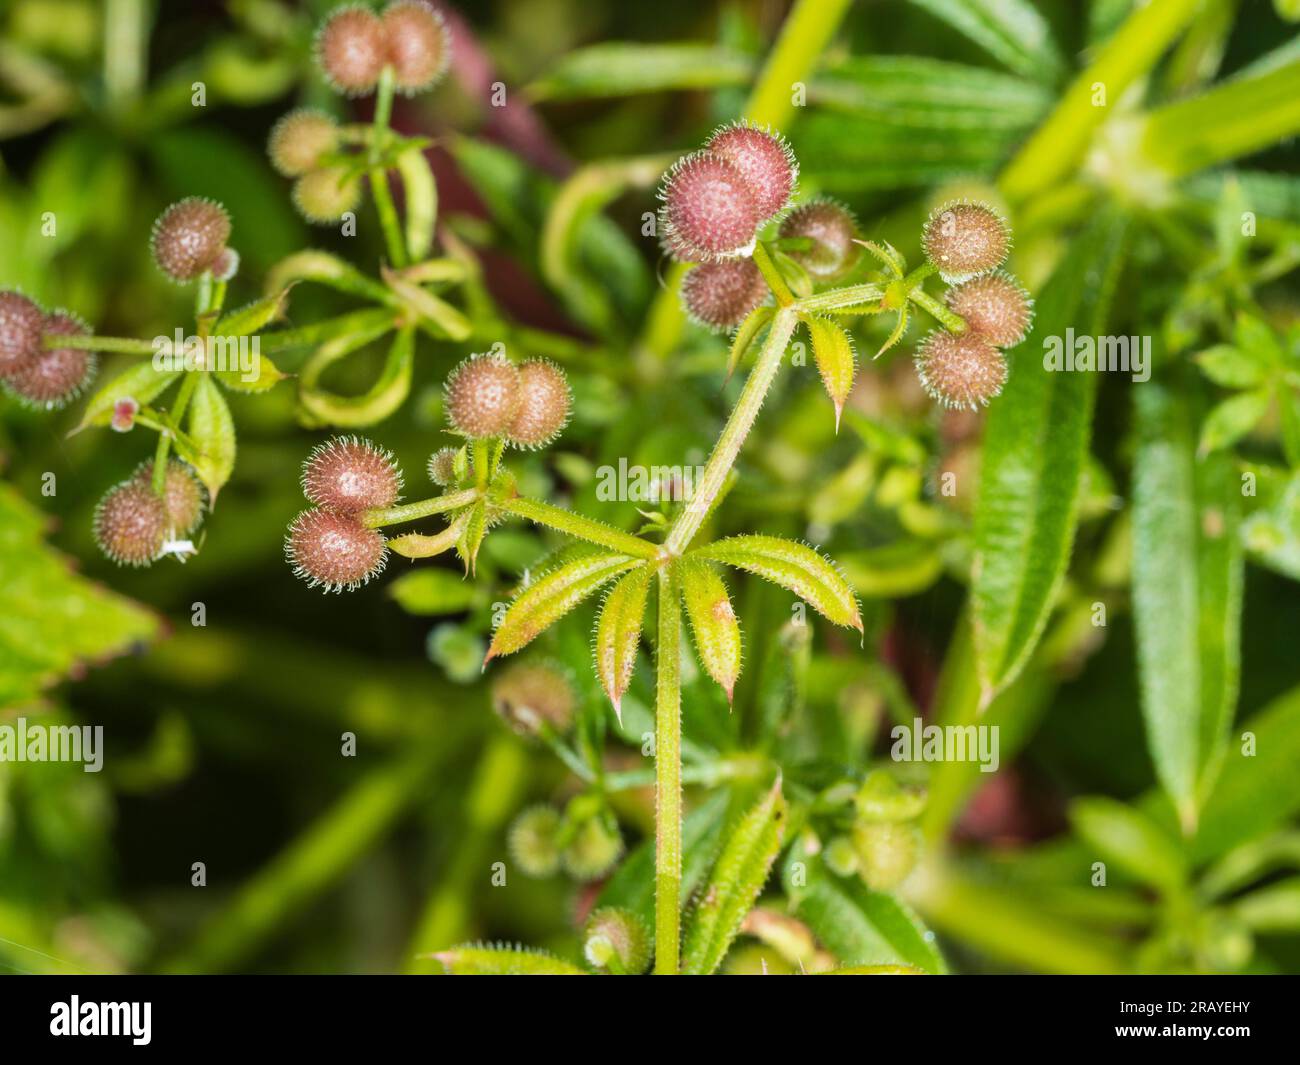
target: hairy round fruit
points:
(960, 370)
(593, 850)
(299, 140)
(21, 323)
(183, 496)
(544, 403)
(131, 524)
(995, 306)
(763, 159)
(963, 239)
(887, 852)
(719, 295)
(226, 265)
(533, 841)
(618, 941)
(189, 236)
(348, 474)
(56, 375)
(709, 210)
(530, 695)
(830, 227)
(334, 551)
(351, 50)
(442, 467)
(419, 47)
(483, 396)
(325, 195)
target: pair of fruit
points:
(46, 377)
(354, 45)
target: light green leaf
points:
(445, 322)
(618, 634)
(326, 269)
(833, 353)
(421, 202)
(1233, 418)
(212, 431)
(388, 392)
(254, 317)
(1187, 587)
(794, 566)
(433, 592)
(261, 375)
(734, 884)
(1013, 32)
(546, 600)
(1274, 908)
(713, 622)
(469, 535)
(1035, 452)
(141, 382)
(1231, 367)
(1121, 834)
(864, 927)
(616, 68)
(477, 960)
(45, 607)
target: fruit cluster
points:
(354, 46)
(967, 243)
(489, 397)
(37, 374)
(135, 525)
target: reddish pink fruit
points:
(709, 211)
(56, 375)
(442, 467)
(960, 370)
(189, 236)
(483, 396)
(334, 551)
(131, 524)
(351, 50)
(21, 324)
(995, 306)
(720, 295)
(964, 239)
(830, 228)
(544, 403)
(763, 159)
(419, 47)
(183, 496)
(124, 412)
(348, 474)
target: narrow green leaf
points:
(618, 634)
(833, 353)
(1013, 32)
(1035, 452)
(617, 68)
(1274, 908)
(478, 960)
(1233, 418)
(794, 566)
(420, 202)
(1187, 587)
(419, 545)
(388, 392)
(141, 383)
(746, 333)
(1121, 834)
(734, 884)
(254, 317)
(469, 535)
(864, 927)
(212, 430)
(545, 601)
(326, 269)
(445, 322)
(713, 622)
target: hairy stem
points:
(763, 260)
(668, 776)
(423, 508)
(188, 384)
(840, 298)
(90, 342)
(378, 174)
(596, 532)
(954, 323)
(733, 434)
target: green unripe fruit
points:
(300, 139)
(533, 841)
(840, 856)
(617, 941)
(592, 850)
(325, 195)
(887, 852)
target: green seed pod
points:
(840, 856)
(593, 849)
(617, 941)
(882, 798)
(533, 841)
(299, 140)
(887, 852)
(325, 195)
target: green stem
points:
(90, 342)
(763, 260)
(954, 323)
(188, 384)
(1058, 146)
(668, 776)
(733, 434)
(125, 44)
(379, 189)
(840, 298)
(424, 508)
(596, 532)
